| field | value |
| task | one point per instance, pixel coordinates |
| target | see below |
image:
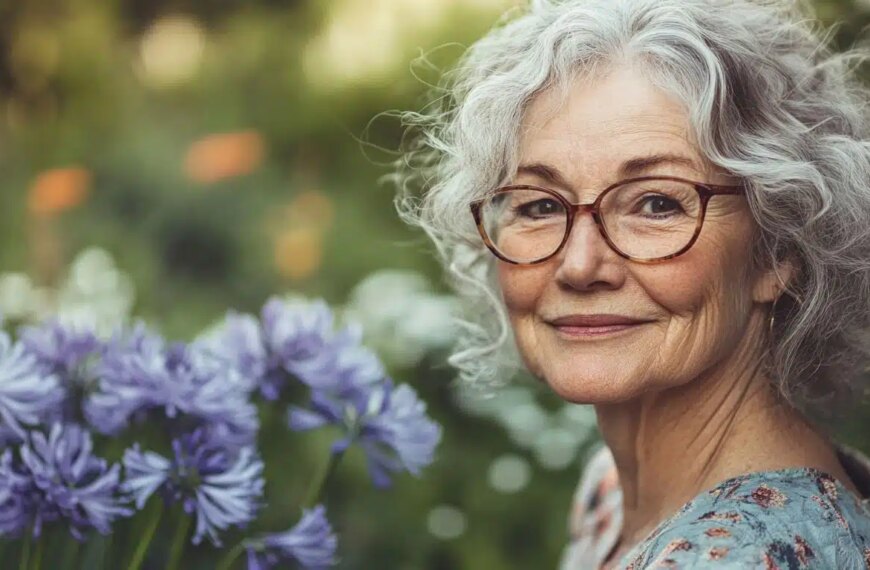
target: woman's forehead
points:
(606, 123)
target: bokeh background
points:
(171, 159)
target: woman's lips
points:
(583, 331)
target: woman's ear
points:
(773, 281)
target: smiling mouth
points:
(575, 331)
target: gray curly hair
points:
(769, 102)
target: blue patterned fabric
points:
(787, 519)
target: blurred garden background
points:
(171, 159)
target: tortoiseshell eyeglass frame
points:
(705, 192)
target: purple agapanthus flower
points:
(28, 394)
(344, 366)
(239, 343)
(295, 339)
(14, 506)
(389, 423)
(311, 543)
(222, 487)
(69, 353)
(59, 479)
(139, 374)
(61, 349)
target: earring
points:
(769, 348)
(772, 316)
(796, 297)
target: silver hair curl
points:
(769, 102)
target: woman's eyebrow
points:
(638, 165)
(549, 173)
(629, 168)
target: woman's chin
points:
(583, 389)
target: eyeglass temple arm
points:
(721, 188)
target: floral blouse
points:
(787, 519)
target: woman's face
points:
(696, 306)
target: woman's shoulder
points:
(789, 518)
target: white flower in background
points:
(509, 473)
(171, 51)
(446, 522)
(18, 297)
(555, 439)
(577, 417)
(524, 422)
(402, 318)
(95, 295)
(557, 448)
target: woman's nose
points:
(586, 259)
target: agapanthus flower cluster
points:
(349, 386)
(389, 423)
(221, 487)
(58, 478)
(140, 374)
(183, 417)
(294, 339)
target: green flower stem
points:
(178, 541)
(70, 553)
(142, 548)
(37, 557)
(106, 550)
(321, 483)
(25, 552)
(227, 561)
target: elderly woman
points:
(662, 208)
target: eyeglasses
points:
(646, 219)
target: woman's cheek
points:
(682, 286)
(521, 287)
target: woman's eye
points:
(541, 208)
(660, 205)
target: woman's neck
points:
(671, 445)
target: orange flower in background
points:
(299, 229)
(311, 208)
(298, 253)
(221, 156)
(59, 189)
